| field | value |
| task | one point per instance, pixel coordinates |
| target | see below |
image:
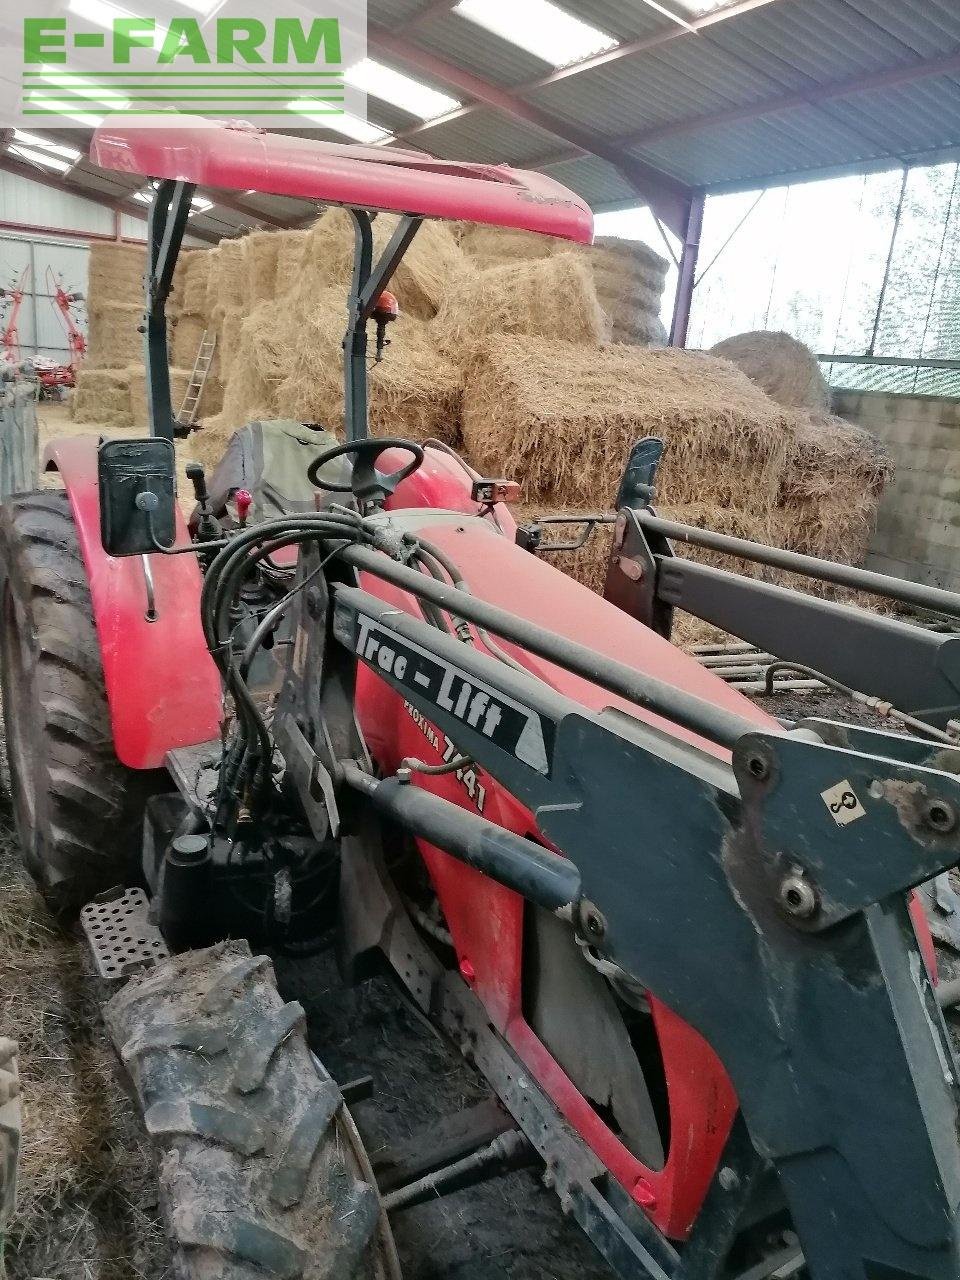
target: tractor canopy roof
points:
(238, 156)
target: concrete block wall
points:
(918, 524)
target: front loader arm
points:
(763, 900)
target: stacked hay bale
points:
(628, 277)
(110, 390)
(834, 472)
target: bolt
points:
(593, 920)
(940, 816)
(315, 603)
(728, 1178)
(797, 897)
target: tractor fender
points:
(162, 686)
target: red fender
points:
(163, 688)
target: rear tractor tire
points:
(78, 810)
(262, 1173)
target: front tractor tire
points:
(78, 810)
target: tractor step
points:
(120, 935)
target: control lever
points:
(208, 526)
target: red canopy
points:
(239, 157)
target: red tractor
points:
(675, 935)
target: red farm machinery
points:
(677, 937)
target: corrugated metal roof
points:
(747, 63)
(489, 138)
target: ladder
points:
(201, 367)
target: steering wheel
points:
(367, 484)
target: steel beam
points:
(667, 197)
(629, 49)
(888, 78)
(688, 272)
(61, 183)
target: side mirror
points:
(131, 525)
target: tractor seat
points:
(270, 459)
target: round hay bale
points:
(830, 489)
(114, 337)
(562, 419)
(290, 246)
(102, 397)
(786, 369)
(421, 279)
(629, 278)
(548, 298)
(115, 274)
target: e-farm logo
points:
(93, 58)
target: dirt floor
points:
(87, 1208)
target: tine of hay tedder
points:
(676, 936)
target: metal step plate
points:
(121, 937)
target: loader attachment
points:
(763, 899)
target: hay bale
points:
(259, 252)
(225, 280)
(496, 246)
(188, 331)
(228, 325)
(114, 338)
(290, 246)
(102, 397)
(190, 291)
(629, 278)
(115, 273)
(421, 280)
(179, 381)
(562, 419)
(588, 564)
(414, 391)
(786, 369)
(830, 489)
(549, 298)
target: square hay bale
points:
(289, 259)
(830, 488)
(179, 381)
(545, 297)
(421, 280)
(188, 331)
(225, 282)
(562, 419)
(786, 369)
(102, 397)
(115, 273)
(114, 337)
(414, 391)
(588, 564)
(190, 291)
(497, 246)
(227, 324)
(259, 252)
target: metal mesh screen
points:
(865, 266)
